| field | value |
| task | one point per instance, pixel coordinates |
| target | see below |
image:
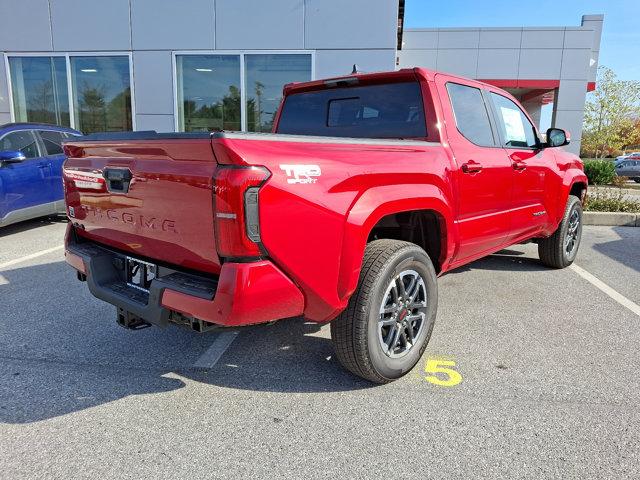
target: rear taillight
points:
(237, 222)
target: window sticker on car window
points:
(514, 128)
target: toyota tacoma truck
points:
(369, 187)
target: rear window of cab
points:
(392, 110)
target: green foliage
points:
(222, 115)
(610, 200)
(599, 172)
(611, 114)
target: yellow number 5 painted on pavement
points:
(438, 365)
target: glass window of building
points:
(101, 93)
(39, 89)
(265, 77)
(208, 88)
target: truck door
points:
(484, 173)
(532, 168)
(23, 183)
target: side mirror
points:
(12, 156)
(556, 137)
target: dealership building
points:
(193, 65)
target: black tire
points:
(636, 179)
(554, 251)
(356, 334)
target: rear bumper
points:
(243, 294)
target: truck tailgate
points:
(152, 199)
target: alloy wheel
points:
(402, 314)
(573, 233)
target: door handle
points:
(471, 167)
(519, 165)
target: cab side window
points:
(470, 111)
(21, 140)
(517, 130)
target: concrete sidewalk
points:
(612, 219)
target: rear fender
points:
(367, 211)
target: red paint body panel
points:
(167, 213)
(247, 293)
(313, 234)
(522, 83)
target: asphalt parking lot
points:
(548, 365)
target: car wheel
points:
(384, 330)
(636, 179)
(560, 249)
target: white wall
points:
(340, 32)
(88, 25)
(567, 55)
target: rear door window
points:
(52, 141)
(374, 111)
(470, 111)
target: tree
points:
(258, 106)
(39, 105)
(93, 115)
(222, 115)
(610, 113)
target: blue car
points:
(31, 170)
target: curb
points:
(612, 219)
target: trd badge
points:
(301, 173)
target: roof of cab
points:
(405, 74)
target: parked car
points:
(31, 160)
(633, 156)
(629, 168)
(370, 186)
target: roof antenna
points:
(355, 69)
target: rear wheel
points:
(386, 327)
(560, 249)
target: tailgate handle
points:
(118, 179)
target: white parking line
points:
(30, 257)
(211, 356)
(599, 284)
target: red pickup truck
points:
(369, 187)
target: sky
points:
(619, 48)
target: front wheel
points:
(385, 329)
(560, 249)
